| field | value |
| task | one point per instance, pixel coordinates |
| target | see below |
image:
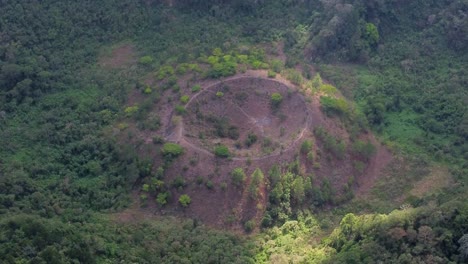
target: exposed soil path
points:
(179, 137)
(367, 181)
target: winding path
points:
(179, 133)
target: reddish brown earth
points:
(225, 205)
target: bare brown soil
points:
(245, 105)
(438, 178)
(378, 162)
(245, 108)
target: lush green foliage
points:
(172, 150)
(222, 151)
(276, 100)
(238, 176)
(185, 200)
(62, 103)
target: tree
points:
(257, 179)
(184, 99)
(251, 139)
(306, 146)
(185, 200)
(222, 151)
(372, 34)
(238, 176)
(298, 191)
(276, 100)
(146, 60)
(172, 150)
(364, 149)
(317, 81)
(162, 198)
(249, 226)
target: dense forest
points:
(68, 172)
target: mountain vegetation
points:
(77, 182)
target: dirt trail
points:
(178, 135)
(381, 159)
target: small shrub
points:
(363, 149)
(276, 100)
(162, 198)
(257, 178)
(175, 88)
(306, 146)
(328, 89)
(194, 160)
(359, 166)
(238, 176)
(131, 110)
(332, 105)
(294, 76)
(185, 200)
(223, 186)
(250, 140)
(209, 184)
(146, 60)
(184, 99)
(178, 182)
(165, 71)
(158, 140)
(277, 65)
(200, 180)
(182, 68)
(172, 150)
(147, 90)
(317, 81)
(196, 88)
(271, 74)
(180, 109)
(219, 94)
(249, 226)
(222, 151)
(233, 133)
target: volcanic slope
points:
(238, 115)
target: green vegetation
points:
(276, 100)
(250, 140)
(222, 151)
(271, 74)
(146, 60)
(71, 77)
(306, 146)
(196, 88)
(335, 145)
(334, 106)
(238, 176)
(363, 149)
(185, 200)
(184, 99)
(255, 182)
(172, 150)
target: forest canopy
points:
(64, 175)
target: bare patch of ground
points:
(245, 105)
(378, 162)
(119, 57)
(438, 178)
(232, 111)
